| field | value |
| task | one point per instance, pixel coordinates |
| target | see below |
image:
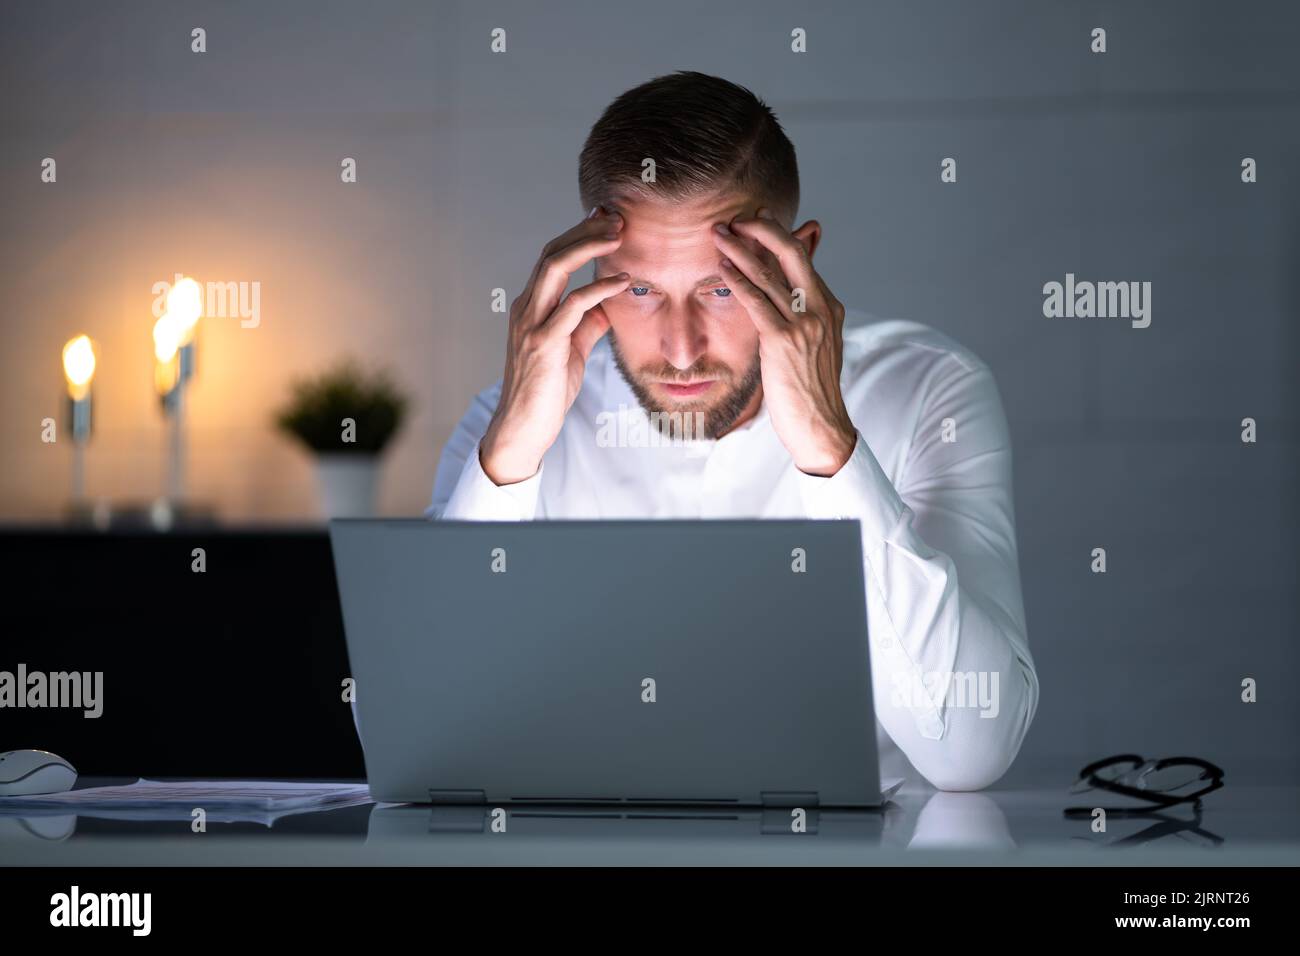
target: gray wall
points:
(1115, 167)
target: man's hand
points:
(800, 352)
(547, 349)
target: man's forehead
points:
(681, 215)
(661, 238)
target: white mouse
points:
(24, 773)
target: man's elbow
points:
(976, 751)
(966, 775)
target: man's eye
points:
(721, 292)
(638, 290)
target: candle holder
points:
(175, 352)
(79, 362)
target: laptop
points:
(612, 662)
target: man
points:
(707, 321)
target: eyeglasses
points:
(1165, 783)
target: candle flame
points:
(185, 303)
(79, 365)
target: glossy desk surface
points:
(1235, 826)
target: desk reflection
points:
(914, 823)
(945, 821)
(961, 821)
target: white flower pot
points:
(347, 484)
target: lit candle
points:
(166, 341)
(185, 303)
(79, 370)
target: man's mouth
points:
(677, 390)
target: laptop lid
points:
(701, 662)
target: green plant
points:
(319, 405)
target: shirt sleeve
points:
(953, 679)
(462, 491)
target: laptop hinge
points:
(789, 798)
(457, 797)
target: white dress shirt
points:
(929, 480)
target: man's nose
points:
(682, 336)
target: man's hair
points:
(704, 134)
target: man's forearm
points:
(476, 497)
(951, 670)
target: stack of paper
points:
(221, 801)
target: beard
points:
(717, 413)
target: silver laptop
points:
(719, 663)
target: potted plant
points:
(346, 417)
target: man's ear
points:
(810, 234)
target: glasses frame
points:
(1209, 771)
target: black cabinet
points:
(233, 672)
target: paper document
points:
(220, 799)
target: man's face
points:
(684, 343)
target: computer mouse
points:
(24, 773)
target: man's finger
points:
(577, 303)
(762, 275)
(789, 251)
(753, 300)
(597, 224)
(838, 312)
(559, 266)
(587, 226)
(594, 324)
